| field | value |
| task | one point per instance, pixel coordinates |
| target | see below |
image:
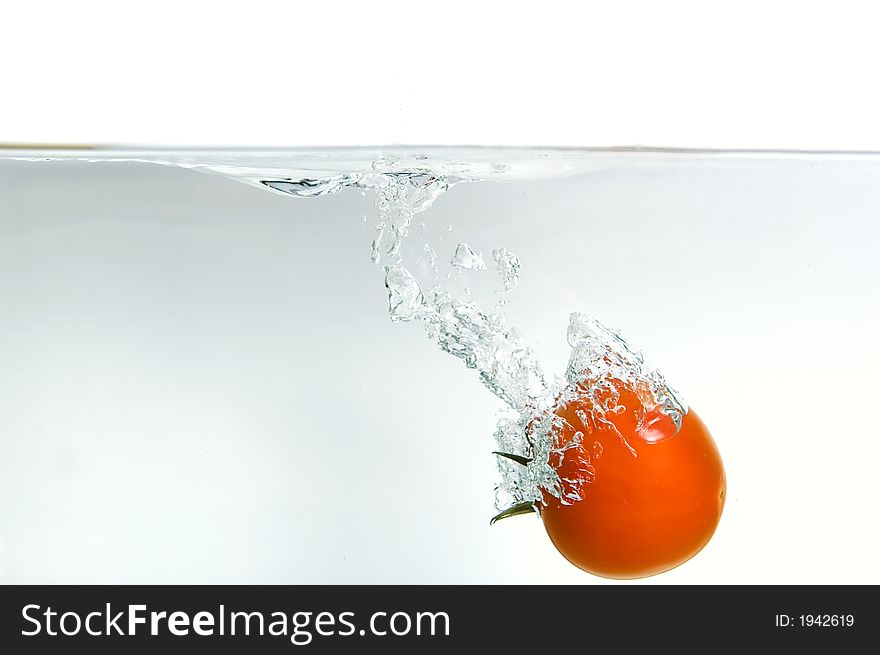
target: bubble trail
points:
(506, 365)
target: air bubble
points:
(466, 258)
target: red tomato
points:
(652, 497)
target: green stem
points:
(516, 510)
(519, 459)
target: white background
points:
(677, 73)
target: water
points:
(600, 359)
(202, 383)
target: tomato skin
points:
(640, 515)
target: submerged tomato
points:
(652, 497)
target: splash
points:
(407, 184)
(527, 434)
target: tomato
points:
(651, 496)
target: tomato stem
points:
(516, 510)
(519, 459)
